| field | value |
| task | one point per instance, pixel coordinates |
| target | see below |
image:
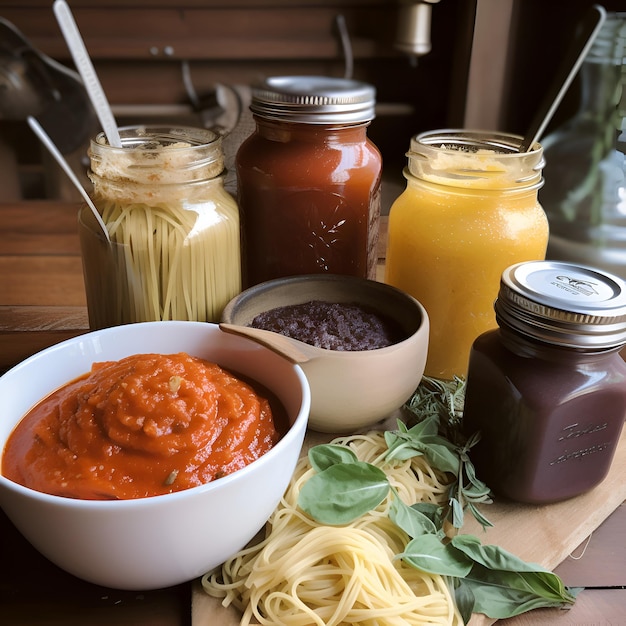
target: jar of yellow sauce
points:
(468, 212)
(174, 249)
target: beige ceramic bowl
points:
(164, 540)
(349, 390)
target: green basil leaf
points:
(402, 427)
(399, 446)
(429, 554)
(343, 492)
(403, 451)
(464, 599)
(441, 454)
(491, 556)
(428, 426)
(504, 585)
(323, 456)
(433, 512)
(506, 594)
(401, 443)
(412, 521)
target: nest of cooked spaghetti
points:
(305, 572)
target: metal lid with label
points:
(564, 304)
(314, 100)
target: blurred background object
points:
(585, 190)
(191, 62)
(33, 84)
(414, 25)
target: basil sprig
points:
(438, 406)
(485, 579)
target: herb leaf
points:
(485, 579)
(464, 599)
(443, 400)
(343, 492)
(437, 409)
(503, 585)
(423, 439)
(492, 557)
(498, 594)
(429, 554)
(410, 519)
(323, 456)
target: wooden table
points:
(42, 301)
(42, 295)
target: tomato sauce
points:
(310, 202)
(146, 425)
(309, 180)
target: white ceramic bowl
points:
(159, 541)
(349, 390)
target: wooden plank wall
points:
(141, 48)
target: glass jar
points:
(469, 210)
(309, 180)
(547, 390)
(174, 251)
(585, 191)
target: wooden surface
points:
(546, 535)
(42, 301)
(549, 534)
(42, 295)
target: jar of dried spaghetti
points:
(174, 249)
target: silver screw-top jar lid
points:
(564, 304)
(314, 100)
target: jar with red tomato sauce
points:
(309, 180)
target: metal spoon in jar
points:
(589, 29)
(75, 43)
(56, 153)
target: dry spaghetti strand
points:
(304, 573)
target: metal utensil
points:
(587, 32)
(33, 84)
(86, 70)
(54, 151)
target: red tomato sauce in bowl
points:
(145, 425)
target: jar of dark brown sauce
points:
(309, 180)
(547, 389)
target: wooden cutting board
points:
(539, 534)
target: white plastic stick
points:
(86, 70)
(54, 151)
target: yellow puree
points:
(448, 247)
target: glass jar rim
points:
(475, 159)
(153, 137)
(196, 153)
(453, 140)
